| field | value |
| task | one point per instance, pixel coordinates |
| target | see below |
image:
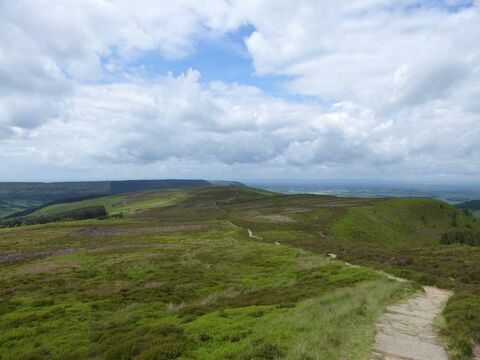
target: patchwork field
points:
(229, 273)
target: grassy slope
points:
(124, 203)
(205, 294)
(470, 205)
(13, 206)
(398, 235)
(215, 293)
(16, 197)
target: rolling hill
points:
(470, 205)
(229, 272)
(22, 197)
(473, 206)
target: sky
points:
(239, 89)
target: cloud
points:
(170, 120)
(392, 89)
(373, 52)
(176, 117)
(47, 48)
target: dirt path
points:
(405, 331)
(250, 234)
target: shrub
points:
(90, 212)
(467, 237)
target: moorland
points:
(21, 198)
(228, 272)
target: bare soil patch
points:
(250, 234)
(341, 204)
(275, 218)
(297, 210)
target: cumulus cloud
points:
(49, 47)
(373, 52)
(393, 88)
(170, 119)
(178, 117)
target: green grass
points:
(120, 204)
(336, 325)
(161, 294)
(174, 279)
(132, 204)
(397, 221)
(15, 197)
(8, 207)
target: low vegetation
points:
(209, 294)
(82, 213)
(471, 238)
(469, 205)
(18, 199)
(229, 273)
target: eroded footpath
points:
(405, 331)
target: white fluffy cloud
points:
(393, 88)
(47, 47)
(379, 53)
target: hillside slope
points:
(20, 197)
(218, 264)
(174, 279)
(470, 205)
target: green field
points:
(126, 204)
(178, 276)
(19, 197)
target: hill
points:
(21, 197)
(470, 205)
(473, 206)
(229, 272)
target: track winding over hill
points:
(405, 331)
